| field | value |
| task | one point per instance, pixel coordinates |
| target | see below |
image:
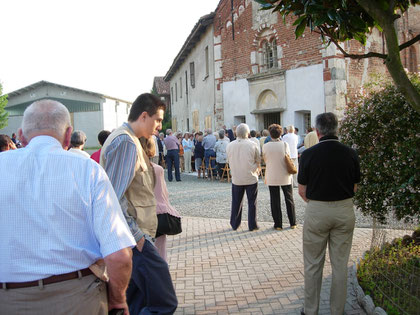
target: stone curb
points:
(365, 301)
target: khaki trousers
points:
(327, 223)
(84, 296)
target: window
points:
(192, 74)
(207, 122)
(186, 85)
(195, 120)
(269, 55)
(206, 52)
(307, 121)
(176, 92)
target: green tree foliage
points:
(340, 20)
(4, 115)
(385, 131)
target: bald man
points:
(64, 219)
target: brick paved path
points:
(219, 271)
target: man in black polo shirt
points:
(328, 173)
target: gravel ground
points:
(198, 197)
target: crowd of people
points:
(89, 223)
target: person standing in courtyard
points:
(209, 142)
(172, 155)
(244, 161)
(59, 224)
(328, 176)
(78, 140)
(276, 176)
(292, 140)
(187, 144)
(102, 136)
(220, 149)
(129, 169)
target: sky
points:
(114, 48)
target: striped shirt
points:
(121, 158)
(59, 212)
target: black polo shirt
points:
(329, 170)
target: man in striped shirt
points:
(131, 174)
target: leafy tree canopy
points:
(340, 20)
(4, 115)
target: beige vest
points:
(140, 192)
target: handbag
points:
(291, 168)
(168, 224)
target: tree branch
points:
(371, 54)
(410, 42)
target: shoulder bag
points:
(168, 224)
(291, 168)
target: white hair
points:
(242, 131)
(45, 115)
(290, 128)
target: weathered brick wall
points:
(236, 53)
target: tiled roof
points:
(161, 86)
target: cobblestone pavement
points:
(220, 271)
(198, 197)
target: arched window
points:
(269, 55)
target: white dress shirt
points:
(292, 140)
(80, 152)
(59, 212)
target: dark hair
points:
(297, 129)
(4, 142)
(145, 102)
(102, 136)
(253, 133)
(275, 131)
(327, 124)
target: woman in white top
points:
(276, 176)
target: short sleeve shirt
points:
(329, 170)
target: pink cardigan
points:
(162, 194)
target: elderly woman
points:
(276, 176)
(78, 140)
(220, 149)
(244, 161)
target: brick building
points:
(262, 74)
(161, 88)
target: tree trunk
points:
(393, 61)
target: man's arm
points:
(119, 272)
(121, 158)
(302, 192)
